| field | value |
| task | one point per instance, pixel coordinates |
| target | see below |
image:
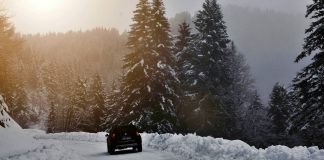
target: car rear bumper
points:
(121, 146)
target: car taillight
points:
(113, 136)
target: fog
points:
(270, 41)
(268, 32)
(33, 16)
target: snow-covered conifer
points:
(309, 83)
(148, 86)
(98, 101)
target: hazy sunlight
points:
(44, 5)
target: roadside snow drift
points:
(208, 148)
(192, 147)
(15, 141)
(19, 144)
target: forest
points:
(179, 75)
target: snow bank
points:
(208, 148)
(19, 144)
(75, 136)
(192, 147)
(15, 141)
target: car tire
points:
(111, 150)
(139, 148)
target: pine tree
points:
(97, 96)
(20, 110)
(240, 89)
(279, 111)
(9, 47)
(78, 117)
(51, 120)
(309, 83)
(181, 44)
(206, 73)
(148, 86)
(50, 80)
(184, 37)
(113, 110)
(255, 123)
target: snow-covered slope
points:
(5, 120)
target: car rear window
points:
(123, 129)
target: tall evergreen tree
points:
(51, 120)
(184, 37)
(9, 47)
(279, 111)
(206, 73)
(78, 112)
(20, 111)
(240, 89)
(148, 85)
(113, 110)
(181, 44)
(98, 101)
(50, 80)
(255, 123)
(309, 83)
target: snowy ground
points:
(20, 144)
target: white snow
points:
(170, 101)
(163, 99)
(168, 88)
(189, 72)
(142, 62)
(20, 145)
(5, 120)
(194, 83)
(160, 45)
(74, 136)
(3, 105)
(148, 88)
(201, 74)
(145, 72)
(161, 65)
(208, 148)
(162, 106)
(13, 141)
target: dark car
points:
(122, 137)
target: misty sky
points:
(283, 38)
(32, 16)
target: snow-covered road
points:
(98, 151)
(36, 145)
(82, 150)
